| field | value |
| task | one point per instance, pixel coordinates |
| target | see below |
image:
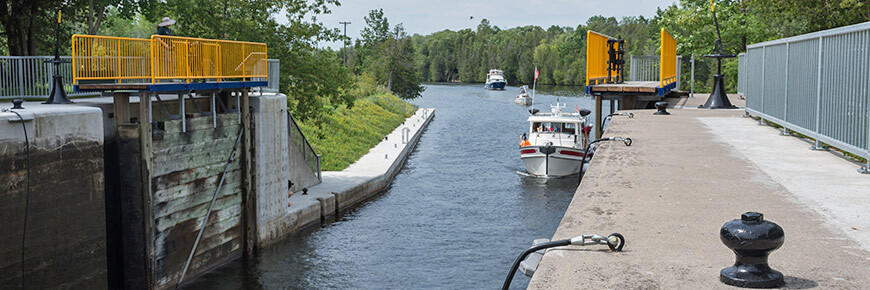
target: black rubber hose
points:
(26, 197)
(516, 265)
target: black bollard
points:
(662, 108)
(16, 104)
(752, 239)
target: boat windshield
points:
(555, 127)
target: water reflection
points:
(455, 217)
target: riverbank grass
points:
(347, 133)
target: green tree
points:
(388, 55)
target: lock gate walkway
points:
(687, 174)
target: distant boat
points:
(555, 142)
(495, 80)
(523, 98)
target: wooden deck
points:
(626, 87)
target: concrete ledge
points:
(671, 191)
(362, 180)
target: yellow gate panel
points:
(668, 58)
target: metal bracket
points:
(166, 111)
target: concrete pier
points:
(687, 174)
(65, 244)
(361, 180)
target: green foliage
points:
(345, 134)
(388, 56)
(558, 52)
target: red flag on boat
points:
(536, 73)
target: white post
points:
(818, 144)
(785, 98)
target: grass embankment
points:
(346, 134)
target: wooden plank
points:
(249, 201)
(201, 123)
(148, 212)
(122, 108)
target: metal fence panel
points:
(803, 72)
(774, 83)
(646, 68)
(844, 88)
(754, 81)
(31, 77)
(817, 84)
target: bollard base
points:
(751, 276)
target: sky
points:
(426, 17)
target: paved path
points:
(688, 173)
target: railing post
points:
(692, 88)
(118, 58)
(21, 76)
(763, 60)
(679, 71)
(785, 95)
(818, 144)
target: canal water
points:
(455, 217)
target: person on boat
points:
(525, 141)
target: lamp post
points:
(57, 95)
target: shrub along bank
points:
(345, 134)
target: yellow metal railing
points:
(596, 59)
(668, 58)
(110, 58)
(166, 58)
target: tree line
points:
(316, 80)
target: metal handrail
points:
(164, 57)
(308, 154)
(814, 84)
(31, 77)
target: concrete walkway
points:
(361, 180)
(687, 174)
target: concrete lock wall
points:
(65, 243)
(276, 163)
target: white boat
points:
(523, 98)
(495, 80)
(555, 142)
